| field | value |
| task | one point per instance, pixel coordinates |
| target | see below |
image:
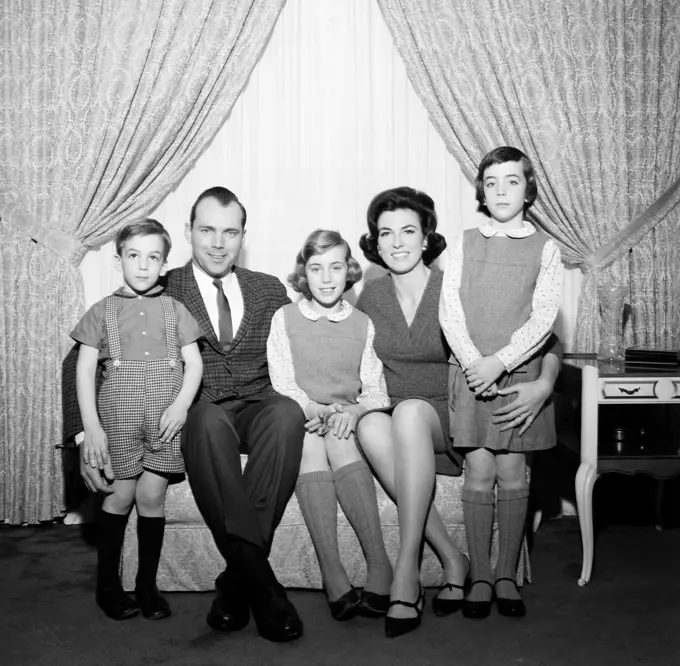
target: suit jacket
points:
(241, 371)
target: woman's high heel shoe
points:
(443, 607)
(346, 607)
(398, 626)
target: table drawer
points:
(639, 389)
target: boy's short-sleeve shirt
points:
(141, 326)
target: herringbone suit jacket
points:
(241, 371)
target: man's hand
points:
(95, 448)
(483, 373)
(172, 420)
(95, 479)
(531, 396)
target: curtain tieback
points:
(63, 244)
(629, 236)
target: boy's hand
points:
(171, 422)
(342, 423)
(483, 372)
(95, 448)
(491, 392)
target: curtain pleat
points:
(106, 106)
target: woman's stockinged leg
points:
(376, 439)
(404, 454)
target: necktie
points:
(224, 314)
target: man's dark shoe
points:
(152, 603)
(275, 617)
(229, 610)
(115, 603)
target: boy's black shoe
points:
(152, 603)
(230, 610)
(275, 617)
(115, 603)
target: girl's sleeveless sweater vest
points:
(327, 354)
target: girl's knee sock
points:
(110, 535)
(315, 492)
(478, 510)
(355, 488)
(150, 533)
(512, 515)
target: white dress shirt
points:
(232, 291)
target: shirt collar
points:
(203, 278)
(154, 291)
(309, 313)
(526, 230)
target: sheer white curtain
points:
(328, 119)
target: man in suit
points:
(237, 411)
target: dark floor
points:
(628, 614)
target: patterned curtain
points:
(589, 89)
(105, 107)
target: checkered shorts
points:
(132, 399)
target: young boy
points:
(134, 427)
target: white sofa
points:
(190, 560)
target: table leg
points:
(585, 482)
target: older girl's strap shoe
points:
(478, 610)
(510, 607)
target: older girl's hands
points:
(483, 373)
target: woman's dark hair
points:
(403, 198)
(144, 227)
(500, 156)
(319, 242)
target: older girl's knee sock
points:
(110, 535)
(478, 510)
(315, 492)
(150, 533)
(355, 488)
(512, 515)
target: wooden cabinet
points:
(617, 421)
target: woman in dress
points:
(408, 442)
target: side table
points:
(583, 390)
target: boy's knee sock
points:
(150, 533)
(315, 493)
(355, 488)
(478, 510)
(110, 535)
(512, 515)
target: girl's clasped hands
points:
(340, 419)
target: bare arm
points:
(175, 415)
(94, 454)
